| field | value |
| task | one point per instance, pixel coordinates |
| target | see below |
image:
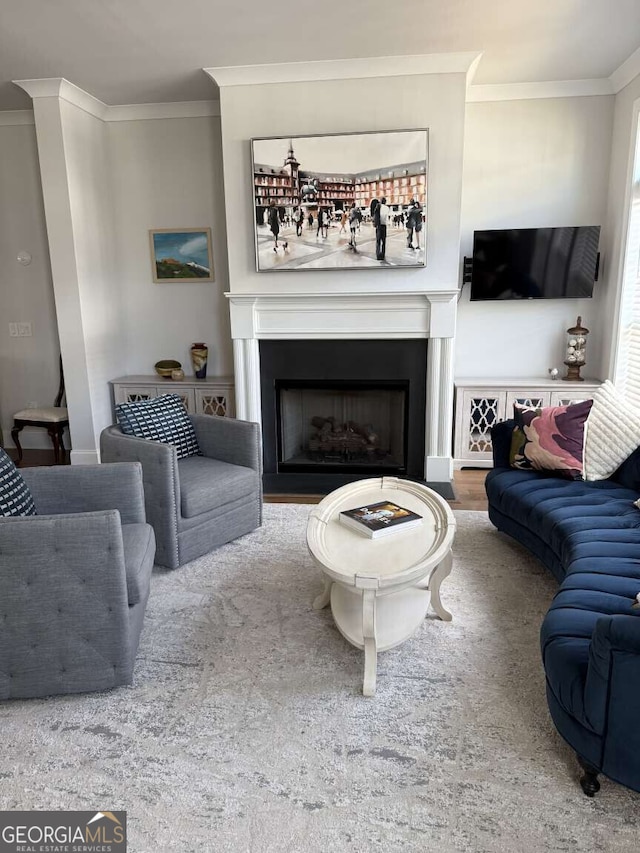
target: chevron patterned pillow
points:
(15, 497)
(162, 418)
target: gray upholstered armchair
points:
(74, 581)
(198, 503)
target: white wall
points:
(435, 101)
(622, 148)
(531, 164)
(28, 366)
(168, 174)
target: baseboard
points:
(85, 457)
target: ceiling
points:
(148, 51)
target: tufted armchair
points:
(201, 502)
(74, 581)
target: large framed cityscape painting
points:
(341, 201)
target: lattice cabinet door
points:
(186, 395)
(132, 394)
(530, 399)
(215, 401)
(568, 398)
(478, 410)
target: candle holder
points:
(575, 354)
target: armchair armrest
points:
(236, 442)
(501, 442)
(161, 484)
(159, 461)
(88, 488)
(63, 591)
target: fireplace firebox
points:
(339, 427)
(334, 411)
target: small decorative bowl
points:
(164, 367)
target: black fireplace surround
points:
(357, 378)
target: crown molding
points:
(45, 87)
(343, 69)
(58, 87)
(179, 109)
(473, 67)
(11, 118)
(528, 91)
(625, 73)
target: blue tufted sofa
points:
(588, 535)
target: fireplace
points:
(382, 317)
(337, 411)
(342, 427)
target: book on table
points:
(380, 519)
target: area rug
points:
(246, 730)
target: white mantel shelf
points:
(357, 314)
(353, 315)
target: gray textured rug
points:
(246, 730)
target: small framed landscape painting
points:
(340, 201)
(181, 254)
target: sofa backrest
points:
(628, 474)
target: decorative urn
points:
(575, 353)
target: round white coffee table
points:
(380, 589)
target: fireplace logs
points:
(345, 441)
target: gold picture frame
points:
(181, 255)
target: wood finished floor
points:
(468, 484)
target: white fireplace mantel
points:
(354, 316)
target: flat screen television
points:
(535, 263)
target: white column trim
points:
(434, 357)
(246, 358)
(240, 374)
(445, 407)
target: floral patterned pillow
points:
(550, 439)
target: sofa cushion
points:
(550, 439)
(616, 592)
(138, 541)
(206, 484)
(579, 522)
(163, 419)
(15, 497)
(613, 433)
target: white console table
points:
(211, 396)
(481, 403)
